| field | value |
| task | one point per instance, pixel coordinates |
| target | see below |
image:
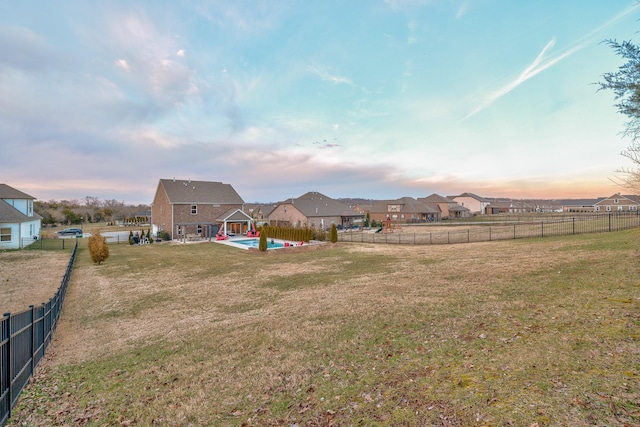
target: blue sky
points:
(377, 99)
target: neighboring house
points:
(184, 207)
(259, 211)
(473, 202)
(314, 210)
(405, 210)
(618, 203)
(449, 209)
(499, 206)
(19, 224)
(579, 205)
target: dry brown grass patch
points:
(29, 277)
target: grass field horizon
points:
(503, 333)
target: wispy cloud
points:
(326, 76)
(541, 63)
(538, 65)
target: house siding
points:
(18, 216)
(617, 203)
(288, 214)
(206, 214)
(161, 212)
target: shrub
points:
(98, 248)
(334, 233)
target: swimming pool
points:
(254, 243)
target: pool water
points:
(254, 243)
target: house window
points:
(619, 208)
(194, 209)
(393, 208)
(29, 207)
(5, 234)
(608, 208)
(597, 208)
(633, 208)
(199, 229)
(615, 200)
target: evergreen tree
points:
(262, 245)
(334, 233)
(625, 84)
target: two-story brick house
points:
(403, 210)
(314, 210)
(185, 207)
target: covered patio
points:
(235, 221)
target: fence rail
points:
(24, 338)
(482, 232)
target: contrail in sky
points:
(539, 64)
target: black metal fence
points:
(24, 338)
(484, 232)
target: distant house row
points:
(201, 208)
(489, 206)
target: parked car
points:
(70, 232)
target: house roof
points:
(314, 204)
(580, 202)
(202, 192)
(7, 192)
(234, 215)
(473, 196)
(10, 214)
(435, 198)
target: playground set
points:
(388, 227)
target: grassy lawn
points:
(514, 332)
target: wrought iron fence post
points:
(32, 308)
(8, 368)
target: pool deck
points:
(231, 242)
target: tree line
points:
(89, 210)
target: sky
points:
(375, 99)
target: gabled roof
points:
(203, 192)
(7, 192)
(435, 198)
(234, 215)
(473, 196)
(317, 204)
